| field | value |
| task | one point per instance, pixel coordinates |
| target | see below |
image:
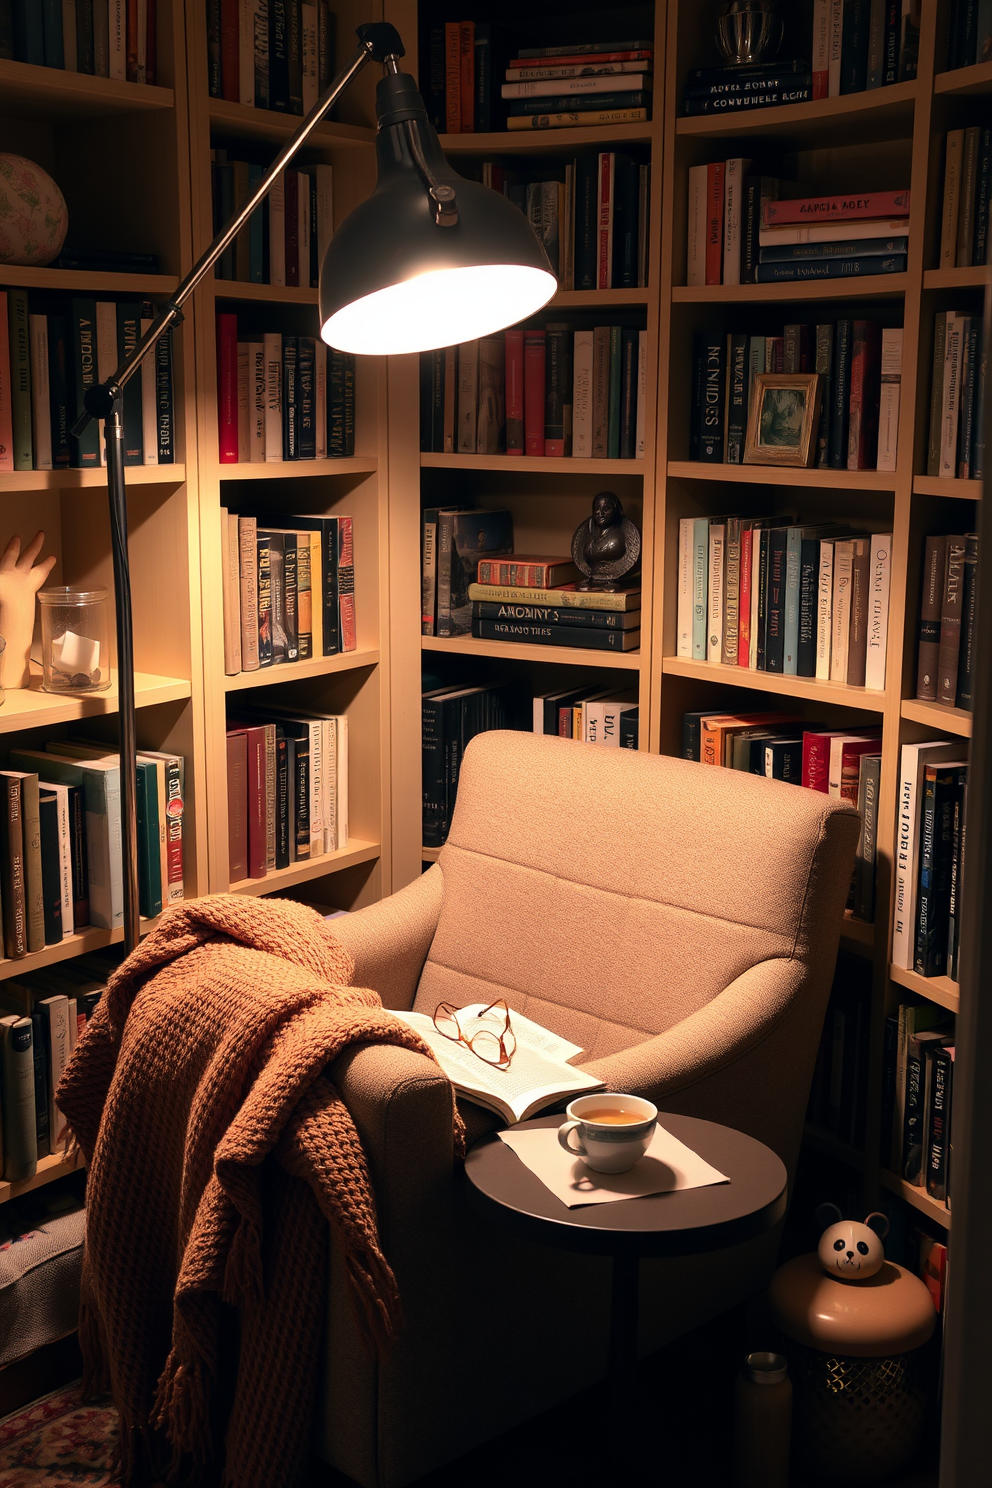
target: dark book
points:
(869, 785)
(492, 51)
(273, 542)
(950, 622)
(852, 248)
(84, 450)
(586, 250)
(629, 729)
(909, 43)
(86, 36)
(294, 62)
(265, 651)
(317, 245)
(39, 1053)
(290, 398)
(29, 32)
(149, 858)
(306, 422)
(914, 1110)
(983, 188)
(628, 392)
(778, 541)
(936, 846)
(784, 760)
(854, 46)
(237, 806)
(14, 894)
(747, 73)
(558, 390)
(938, 1117)
(626, 195)
(969, 600)
(278, 56)
(809, 571)
(52, 27)
(841, 391)
(59, 389)
(796, 90)
(128, 336)
(796, 353)
(761, 640)
(556, 635)
(51, 868)
(283, 801)
(290, 594)
(957, 860)
(551, 615)
(432, 74)
(709, 410)
(830, 268)
(164, 417)
(427, 365)
(214, 83)
(823, 359)
(692, 734)
(616, 383)
(737, 399)
(934, 563)
(890, 42)
(890, 1062)
(857, 655)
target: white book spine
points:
(714, 630)
(246, 52)
(57, 1012)
(277, 233)
(835, 764)
(256, 402)
(468, 397)
(116, 11)
(342, 782)
(824, 603)
(956, 332)
(69, 41)
(318, 788)
(879, 577)
(106, 353)
(41, 420)
(149, 407)
(273, 396)
(582, 361)
(913, 760)
(303, 225)
(840, 629)
(951, 206)
(834, 41)
(832, 232)
(642, 395)
(593, 713)
(733, 194)
(888, 404)
(700, 564)
(244, 425)
(320, 397)
(683, 645)
(61, 793)
(696, 227)
(324, 182)
(308, 29)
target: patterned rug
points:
(60, 1441)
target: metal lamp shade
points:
(393, 281)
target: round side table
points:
(688, 1222)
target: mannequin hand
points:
(20, 579)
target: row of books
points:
(784, 746)
(284, 239)
(917, 1089)
(287, 789)
(837, 1103)
(969, 34)
(60, 833)
(473, 86)
(741, 231)
(930, 847)
(589, 714)
(956, 448)
(282, 397)
(52, 348)
(964, 217)
(945, 671)
(860, 367)
(270, 54)
(592, 217)
(801, 601)
(105, 38)
(545, 391)
(42, 1015)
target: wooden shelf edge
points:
(513, 141)
(316, 666)
(243, 289)
(934, 715)
(509, 463)
(893, 98)
(974, 79)
(45, 83)
(858, 932)
(975, 277)
(799, 687)
(58, 480)
(285, 469)
(957, 490)
(918, 1197)
(89, 280)
(867, 286)
(89, 938)
(941, 990)
(780, 475)
(357, 851)
(270, 123)
(25, 708)
(526, 651)
(429, 854)
(49, 1168)
(592, 299)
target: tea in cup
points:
(612, 1131)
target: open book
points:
(538, 1075)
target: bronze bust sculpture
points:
(606, 547)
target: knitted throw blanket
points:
(218, 1153)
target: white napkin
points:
(667, 1165)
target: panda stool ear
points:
(827, 1215)
(879, 1223)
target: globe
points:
(34, 218)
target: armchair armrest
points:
(389, 941)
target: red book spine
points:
(714, 222)
(744, 600)
(256, 802)
(229, 24)
(237, 807)
(227, 389)
(453, 77)
(852, 208)
(534, 392)
(816, 762)
(466, 75)
(347, 628)
(291, 179)
(131, 39)
(862, 425)
(604, 263)
(514, 392)
(565, 723)
(151, 41)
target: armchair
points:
(681, 924)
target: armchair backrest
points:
(610, 894)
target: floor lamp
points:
(429, 260)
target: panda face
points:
(850, 1250)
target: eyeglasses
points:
(493, 1045)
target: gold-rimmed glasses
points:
(494, 1045)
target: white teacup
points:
(612, 1131)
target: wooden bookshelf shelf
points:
(297, 873)
(25, 708)
(89, 938)
(966, 278)
(314, 666)
(510, 464)
(935, 989)
(545, 141)
(293, 469)
(430, 854)
(797, 687)
(155, 286)
(67, 480)
(52, 93)
(775, 475)
(628, 661)
(272, 294)
(975, 79)
(959, 490)
(599, 299)
(933, 715)
(822, 122)
(918, 1197)
(49, 1168)
(242, 121)
(865, 287)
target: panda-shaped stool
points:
(854, 1326)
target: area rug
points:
(60, 1441)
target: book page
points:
(541, 1040)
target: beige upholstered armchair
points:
(679, 922)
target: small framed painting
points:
(783, 418)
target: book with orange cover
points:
(718, 728)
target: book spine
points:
(950, 622)
(840, 409)
(20, 1139)
(862, 429)
(172, 888)
(601, 391)
(41, 416)
(775, 612)
(879, 583)
(625, 223)
(715, 174)
(33, 886)
(696, 226)
(858, 634)
(556, 635)
(871, 204)
(969, 602)
(854, 46)
(715, 591)
(84, 449)
(605, 204)
(347, 622)
(938, 1124)
(257, 829)
(737, 398)
(534, 391)
(710, 405)
(227, 389)
(14, 897)
(20, 379)
(869, 786)
(700, 576)
(830, 268)
(840, 636)
(745, 604)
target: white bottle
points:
(762, 1423)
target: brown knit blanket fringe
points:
(221, 1158)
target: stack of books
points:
(52, 348)
(42, 1014)
(741, 230)
(601, 83)
(284, 239)
(591, 217)
(597, 622)
(282, 397)
(945, 665)
(782, 746)
(590, 714)
(451, 716)
(860, 365)
(969, 34)
(801, 601)
(454, 539)
(917, 1085)
(956, 449)
(549, 391)
(115, 39)
(858, 45)
(60, 828)
(275, 56)
(726, 90)
(964, 219)
(287, 789)
(838, 1096)
(289, 590)
(930, 847)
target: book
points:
(537, 1076)
(20, 1136)
(837, 208)
(527, 571)
(567, 597)
(556, 635)
(914, 759)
